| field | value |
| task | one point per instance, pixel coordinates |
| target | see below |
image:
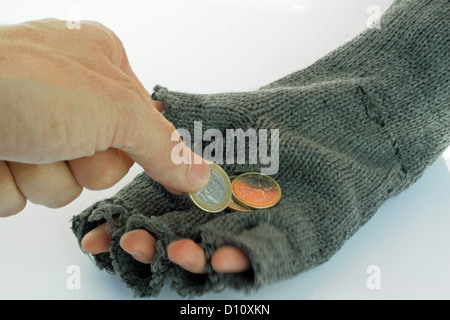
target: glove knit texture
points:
(355, 128)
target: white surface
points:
(217, 46)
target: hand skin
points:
(189, 255)
(74, 115)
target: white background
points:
(217, 46)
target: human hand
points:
(189, 255)
(146, 235)
(74, 115)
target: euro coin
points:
(233, 205)
(216, 196)
(255, 190)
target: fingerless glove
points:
(355, 128)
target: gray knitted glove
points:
(355, 128)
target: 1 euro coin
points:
(216, 196)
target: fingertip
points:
(197, 178)
(230, 259)
(198, 175)
(156, 145)
(188, 255)
(140, 244)
(97, 240)
(174, 191)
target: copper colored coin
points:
(256, 190)
(233, 205)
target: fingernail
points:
(185, 265)
(198, 174)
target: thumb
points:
(145, 135)
(152, 141)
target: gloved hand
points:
(355, 128)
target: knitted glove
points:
(355, 128)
